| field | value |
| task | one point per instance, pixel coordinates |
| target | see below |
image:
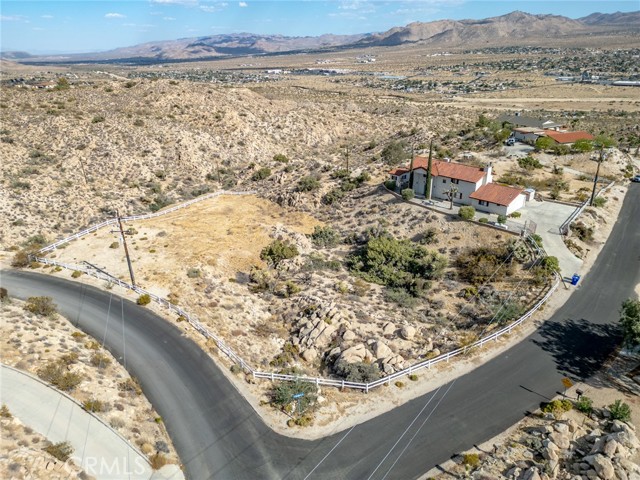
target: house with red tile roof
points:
(568, 138)
(462, 183)
(498, 199)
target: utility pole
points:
(126, 250)
(595, 180)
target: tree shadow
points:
(580, 348)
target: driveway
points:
(548, 217)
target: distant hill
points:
(618, 18)
(442, 33)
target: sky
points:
(80, 26)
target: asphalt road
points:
(218, 435)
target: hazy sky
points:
(49, 26)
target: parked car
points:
(636, 179)
(510, 142)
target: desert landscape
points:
(308, 263)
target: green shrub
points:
(400, 297)
(557, 407)
(61, 450)
(97, 119)
(630, 322)
(144, 299)
(502, 219)
(58, 374)
(277, 251)
(308, 184)
(583, 232)
(390, 184)
(394, 153)
(114, 245)
(515, 215)
(76, 274)
(42, 306)
(584, 405)
(193, 273)
(478, 265)
(324, 236)
(357, 372)
(407, 194)
(537, 239)
(529, 163)
(279, 157)
(599, 201)
(620, 411)
(483, 220)
(94, 405)
(333, 196)
(471, 460)
(282, 394)
(399, 384)
(131, 386)
(467, 212)
(261, 174)
(4, 412)
(160, 202)
(429, 236)
(413, 377)
(100, 360)
(511, 310)
(397, 264)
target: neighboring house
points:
(498, 199)
(400, 176)
(518, 120)
(568, 138)
(527, 134)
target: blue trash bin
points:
(575, 279)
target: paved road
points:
(218, 435)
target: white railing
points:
(564, 228)
(229, 352)
(131, 218)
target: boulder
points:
(348, 336)
(603, 467)
(626, 438)
(309, 355)
(610, 448)
(389, 329)
(561, 427)
(381, 350)
(353, 354)
(550, 453)
(598, 446)
(407, 332)
(561, 440)
(531, 474)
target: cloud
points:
(138, 25)
(48, 17)
(12, 18)
(216, 7)
(242, 4)
(168, 19)
(115, 15)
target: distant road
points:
(218, 435)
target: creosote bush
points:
(58, 374)
(61, 450)
(282, 394)
(94, 405)
(42, 306)
(277, 251)
(324, 236)
(144, 299)
(407, 194)
(357, 372)
(467, 212)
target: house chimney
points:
(487, 177)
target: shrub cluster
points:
(357, 372)
(397, 264)
(42, 306)
(282, 394)
(277, 251)
(58, 374)
(478, 265)
(324, 237)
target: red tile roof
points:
(440, 168)
(398, 171)
(495, 193)
(568, 137)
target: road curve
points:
(218, 435)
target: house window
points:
(455, 180)
(444, 180)
(460, 196)
(483, 203)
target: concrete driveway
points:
(548, 217)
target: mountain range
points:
(442, 33)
